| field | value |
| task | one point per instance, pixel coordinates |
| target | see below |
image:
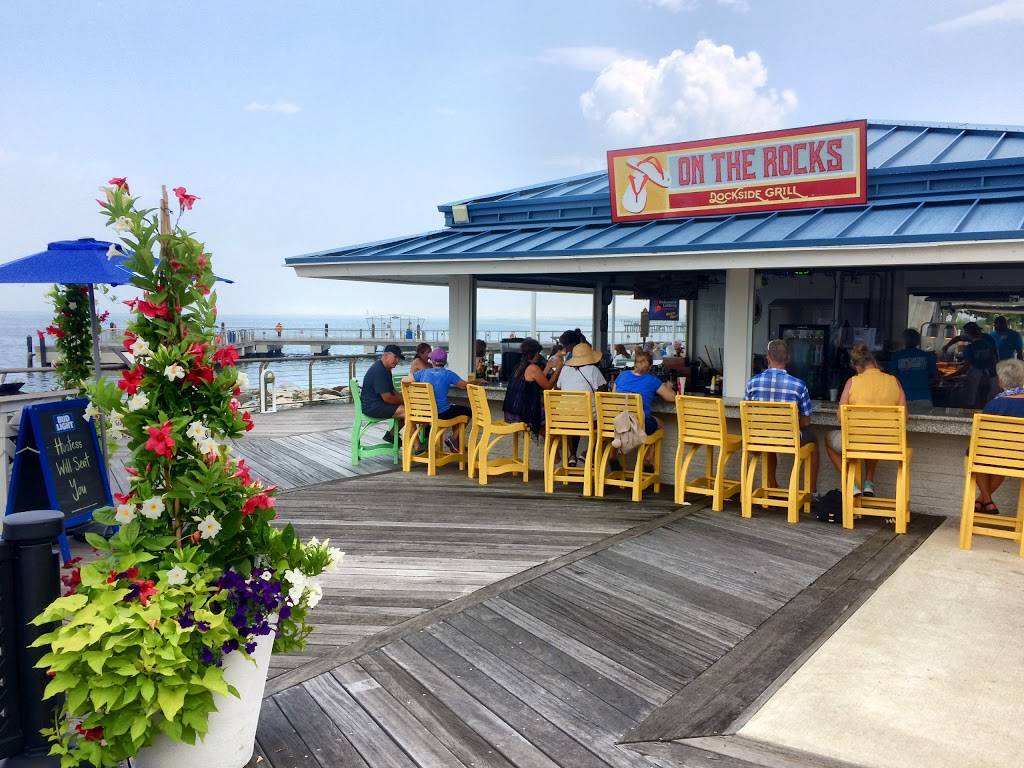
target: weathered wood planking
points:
(293, 448)
(555, 670)
(413, 543)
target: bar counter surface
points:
(938, 437)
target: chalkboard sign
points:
(58, 464)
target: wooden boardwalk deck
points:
(557, 670)
(294, 448)
(413, 543)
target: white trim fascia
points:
(836, 256)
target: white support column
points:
(739, 322)
(461, 323)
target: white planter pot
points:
(231, 738)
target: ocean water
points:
(15, 326)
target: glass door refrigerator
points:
(809, 356)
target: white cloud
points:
(997, 13)
(280, 106)
(709, 91)
(589, 58)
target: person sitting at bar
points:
(644, 383)
(380, 401)
(916, 370)
(980, 357)
(871, 386)
(420, 361)
(1008, 341)
(441, 379)
(568, 341)
(480, 358)
(775, 385)
(1009, 402)
(622, 358)
(524, 401)
(581, 374)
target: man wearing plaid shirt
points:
(775, 385)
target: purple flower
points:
(203, 626)
(206, 656)
(229, 645)
(186, 618)
(250, 647)
(285, 612)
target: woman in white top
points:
(581, 374)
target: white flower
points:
(337, 556)
(242, 380)
(314, 542)
(174, 371)
(314, 594)
(208, 445)
(72, 305)
(138, 401)
(176, 575)
(122, 224)
(125, 513)
(197, 431)
(266, 575)
(140, 348)
(297, 579)
(208, 527)
(153, 507)
(112, 251)
(91, 412)
(116, 426)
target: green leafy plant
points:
(196, 570)
(72, 334)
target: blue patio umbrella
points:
(74, 262)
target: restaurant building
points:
(826, 234)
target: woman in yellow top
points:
(871, 386)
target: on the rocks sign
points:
(797, 168)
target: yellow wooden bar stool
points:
(774, 428)
(997, 448)
(421, 411)
(568, 415)
(610, 405)
(701, 424)
(485, 434)
(877, 433)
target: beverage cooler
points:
(809, 356)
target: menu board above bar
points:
(797, 168)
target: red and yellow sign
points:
(798, 168)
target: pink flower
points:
(131, 380)
(129, 339)
(160, 441)
(197, 351)
(185, 200)
(259, 501)
(201, 374)
(120, 182)
(248, 421)
(226, 356)
(152, 310)
(53, 330)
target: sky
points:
(309, 125)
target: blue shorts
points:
(650, 425)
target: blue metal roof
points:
(927, 182)
(993, 216)
(892, 146)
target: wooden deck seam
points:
(716, 701)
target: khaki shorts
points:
(835, 440)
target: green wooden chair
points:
(361, 422)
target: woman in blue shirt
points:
(641, 381)
(1009, 402)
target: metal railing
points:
(311, 361)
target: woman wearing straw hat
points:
(581, 374)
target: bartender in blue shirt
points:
(915, 368)
(1008, 341)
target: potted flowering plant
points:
(161, 646)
